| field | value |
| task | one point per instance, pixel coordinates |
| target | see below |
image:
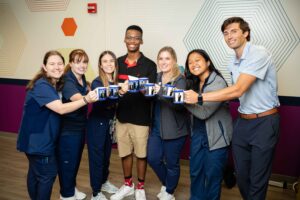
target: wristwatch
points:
(200, 99)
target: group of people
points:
(152, 129)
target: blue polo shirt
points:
(40, 126)
(262, 95)
(74, 121)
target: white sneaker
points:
(67, 198)
(167, 196)
(162, 191)
(79, 195)
(124, 191)
(109, 188)
(99, 196)
(140, 194)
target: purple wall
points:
(287, 158)
(11, 106)
(286, 162)
(287, 155)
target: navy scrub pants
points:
(164, 156)
(41, 176)
(206, 168)
(69, 151)
(99, 150)
(253, 146)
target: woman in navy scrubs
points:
(73, 126)
(40, 125)
(99, 139)
(211, 130)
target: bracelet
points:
(85, 101)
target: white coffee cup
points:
(133, 86)
(168, 90)
(113, 92)
(149, 89)
(101, 93)
(178, 96)
(142, 82)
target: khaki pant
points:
(132, 138)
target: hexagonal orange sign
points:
(69, 26)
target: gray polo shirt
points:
(262, 95)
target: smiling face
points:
(79, 65)
(198, 66)
(108, 64)
(133, 40)
(165, 61)
(54, 67)
(234, 36)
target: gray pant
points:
(253, 145)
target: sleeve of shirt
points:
(152, 74)
(69, 89)
(257, 64)
(207, 109)
(96, 83)
(121, 70)
(44, 93)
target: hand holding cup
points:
(91, 96)
(190, 97)
(124, 87)
(157, 88)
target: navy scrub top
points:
(76, 120)
(40, 126)
(103, 109)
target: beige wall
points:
(288, 75)
(164, 22)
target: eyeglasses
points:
(130, 38)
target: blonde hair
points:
(102, 74)
(175, 69)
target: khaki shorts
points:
(132, 138)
